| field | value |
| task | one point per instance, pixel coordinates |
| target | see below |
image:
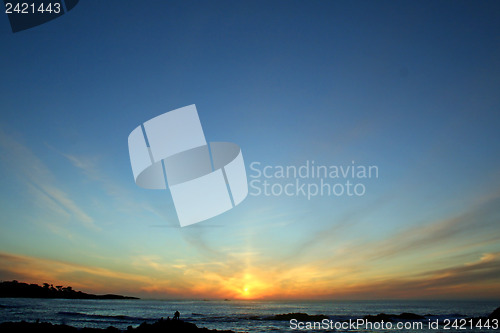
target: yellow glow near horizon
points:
(250, 287)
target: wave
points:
(11, 306)
(195, 316)
(98, 316)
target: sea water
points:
(239, 316)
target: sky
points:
(410, 88)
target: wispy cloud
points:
(34, 173)
(455, 255)
(91, 278)
(479, 221)
(478, 279)
(121, 198)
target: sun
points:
(248, 287)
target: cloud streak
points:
(31, 171)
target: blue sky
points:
(411, 87)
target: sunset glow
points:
(371, 144)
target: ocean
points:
(239, 316)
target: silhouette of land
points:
(412, 316)
(299, 316)
(408, 316)
(16, 289)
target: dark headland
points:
(14, 289)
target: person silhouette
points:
(176, 315)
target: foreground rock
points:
(494, 315)
(163, 326)
(412, 316)
(299, 316)
(391, 317)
